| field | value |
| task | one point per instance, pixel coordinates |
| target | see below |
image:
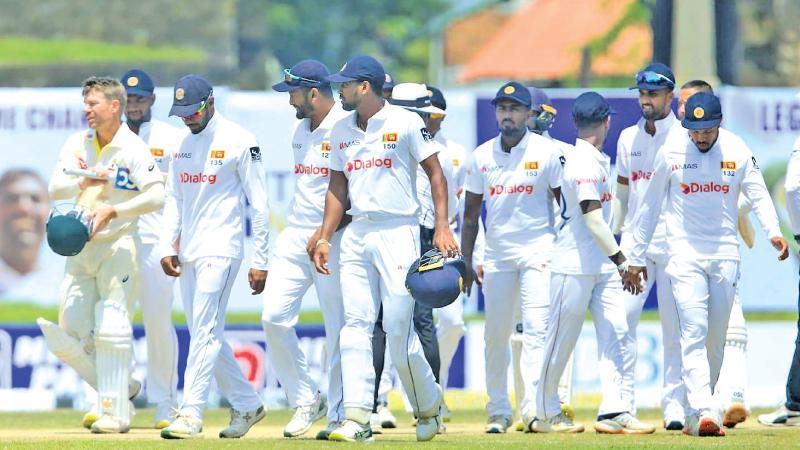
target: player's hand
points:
(469, 277)
(444, 241)
(100, 219)
(320, 258)
(257, 279)
(479, 274)
(171, 266)
(632, 279)
(313, 242)
(782, 246)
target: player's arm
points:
(592, 212)
(251, 173)
(442, 236)
(755, 189)
(792, 186)
(149, 199)
(621, 197)
(745, 227)
(335, 201)
(63, 186)
(171, 225)
(469, 233)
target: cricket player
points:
(586, 275)
(698, 178)
(376, 151)
(291, 270)
(217, 163)
(94, 334)
(514, 173)
(155, 296)
(789, 413)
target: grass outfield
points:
(61, 429)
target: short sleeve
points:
(555, 168)
(418, 139)
(623, 159)
(337, 153)
(587, 182)
(142, 168)
(474, 179)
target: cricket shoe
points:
(704, 425)
(165, 414)
(673, 424)
(241, 422)
(429, 422)
(519, 425)
(780, 417)
(568, 411)
(386, 418)
(497, 424)
(326, 432)
(375, 424)
(107, 423)
(304, 417)
(556, 424)
(352, 431)
(183, 427)
(625, 423)
(735, 413)
(445, 412)
(134, 387)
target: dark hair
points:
(588, 123)
(12, 175)
(698, 84)
(378, 90)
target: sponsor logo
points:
(755, 164)
(255, 154)
(487, 169)
(297, 146)
(426, 135)
(125, 278)
(157, 152)
(300, 169)
(389, 137)
(728, 165)
(358, 164)
(580, 181)
(344, 145)
(217, 154)
(684, 166)
(711, 187)
(532, 165)
(326, 146)
(151, 167)
(637, 175)
(636, 153)
(123, 180)
(198, 178)
(178, 155)
(500, 189)
(606, 197)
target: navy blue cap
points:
(138, 82)
(388, 82)
(437, 98)
(307, 73)
(362, 68)
(703, 111)
(513, 91)
(436, 281)
(591, 107)
(189, 92)
(654, 77)
(538, 98)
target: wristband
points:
(321, 242)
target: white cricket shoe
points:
(782, 416)
(556, 424)
(375, 423)
(736, 413)
(624, 423)
(704, 425)
(110, 424)
(498, 424)
(304, 417)
(386, 418)
(445, 412)
(183, 427)
(352, 431)
(165, 414)
(326, 432)
(241, 422)
(134, 387)
(428, 427)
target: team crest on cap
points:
(133, 81)
(509, 90)
(179, 94)
(699, 113)
(386, 78)
(430, 93)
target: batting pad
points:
(114, 351)
(69, 350)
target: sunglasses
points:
(198, 114)
(650, 77)
(434, 116)
(295, 80)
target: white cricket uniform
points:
(99, 287)
(792, 187)
(291, 273)
(584, 278)
(378, 248)
(155, 296)
(204, 213)
(519, 242)
(636, 152)
(701, 214)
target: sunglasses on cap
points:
(197, 115)
(434, 116)
(650, 77)
(295, 80)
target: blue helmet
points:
(68, 232)
(436, 281)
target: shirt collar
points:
(662, 125)
(498, 144)
(584, 145)
(211, 126)
(379, 116)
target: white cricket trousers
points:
(449, 331)
(291, 274)
(205, 287)
(375, 257)
(155, 299)
(703, 290)
(571, 296)
(519, 283)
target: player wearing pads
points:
(94, 333)
(155, 296)
(202, 241)
(586, 275)
(291, 271)
(514, 172)
(697, 178)
(376, 151)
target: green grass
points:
(61, 428)
(18, 51)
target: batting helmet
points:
(68, 232)
(435, 281)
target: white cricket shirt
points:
(587, 176)
(312, 162)
(427, 212)
(204, 208)
(702, 191)
(381, 163)
(515, 186)
(792, 186)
